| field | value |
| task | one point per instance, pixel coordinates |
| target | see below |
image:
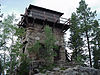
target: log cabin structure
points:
(34, 20)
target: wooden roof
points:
(45, 9)
(63, 24)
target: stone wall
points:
(37, 33)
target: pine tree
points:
(6, 32)
(1, 43)
(86, 19)
(10, 46)
(75, 42)
(96, 44)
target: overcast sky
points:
(64, 6)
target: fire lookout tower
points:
(35, 19)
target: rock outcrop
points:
(78, 70)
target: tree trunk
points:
(89, 48)
(11, 66)
(3, 73)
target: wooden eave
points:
(44, 9)
(63, 27)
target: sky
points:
(64, 6)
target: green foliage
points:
(6, 35)
(0, 67)
(20, 32)
(87, 16)
(75, 42)
(96, 44)
(63, 68)
(45, 50)
(50, 39)
(24, 65)
(86, 21)
(10, 33)
(82, 27)
(96, 58)
(35, 48)
(49, 44)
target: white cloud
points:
(93, 3)
(66, 6)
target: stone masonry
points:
(37, 33)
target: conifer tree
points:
(82, 28)
(86, 19)
(1, 42)
(96, 44)
(75, 42)
(10, 47)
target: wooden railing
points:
(47, 16)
